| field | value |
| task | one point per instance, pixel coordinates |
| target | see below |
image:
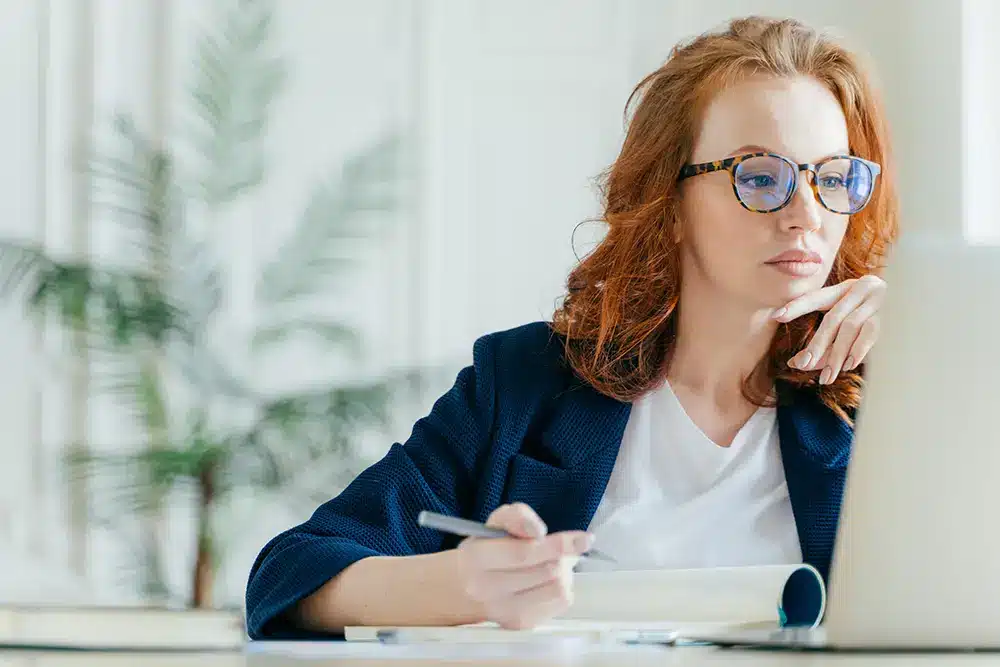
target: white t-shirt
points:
(675, 499)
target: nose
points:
(803, 212)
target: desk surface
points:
(381, 656)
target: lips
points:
(797, 263)
(796, 255)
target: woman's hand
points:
(849, 328)
(523, 580)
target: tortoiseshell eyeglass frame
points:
(729, 164)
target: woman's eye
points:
(759, 181)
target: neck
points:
(718, 346)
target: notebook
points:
(120, 628)
(652, 606)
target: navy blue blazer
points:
(518, 425)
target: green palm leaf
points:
(337, 334)
(138, 478)
(20, 265)
(194, 284)
(236, 81)
(326, 241)
(142, 195)
(295, 431)
(122, 306)
(136, 190)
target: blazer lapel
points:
(565, 477)
(815, 450)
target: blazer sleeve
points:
(435, 469)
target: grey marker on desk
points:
(466, 528)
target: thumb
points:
(519, 520)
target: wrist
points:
(457, 607)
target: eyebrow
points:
(757, 148)
(752, 148)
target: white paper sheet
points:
(651, 606)
(738, 595)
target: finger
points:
(821, 299)
(513, 553)
(863, 344)
(537, 604)
(506, 583)
(847, 334)
(819, 345)
(518, 519)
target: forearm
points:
(410, 590)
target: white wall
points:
(18, 214)
(515, 108)
(981, 140)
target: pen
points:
(466, 528)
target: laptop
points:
(916, 564)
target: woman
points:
(690, 404)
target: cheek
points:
(836, 226)
(834, 231)
(733, 239)
(717, 227)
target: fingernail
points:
(779, 313)
(849, 363)
(824, 377)
(532, 528)
(803, 360)
(583, 542)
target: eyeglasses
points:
(765, 182)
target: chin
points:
(781, 288)
(797, 288)
(773, 296)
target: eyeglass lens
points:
(765, 183)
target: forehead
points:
(799, 118)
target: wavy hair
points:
(617, 318)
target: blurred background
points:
(246, 243)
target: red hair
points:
(618, 316)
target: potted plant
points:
(147, 316)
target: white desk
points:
(381, 656)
